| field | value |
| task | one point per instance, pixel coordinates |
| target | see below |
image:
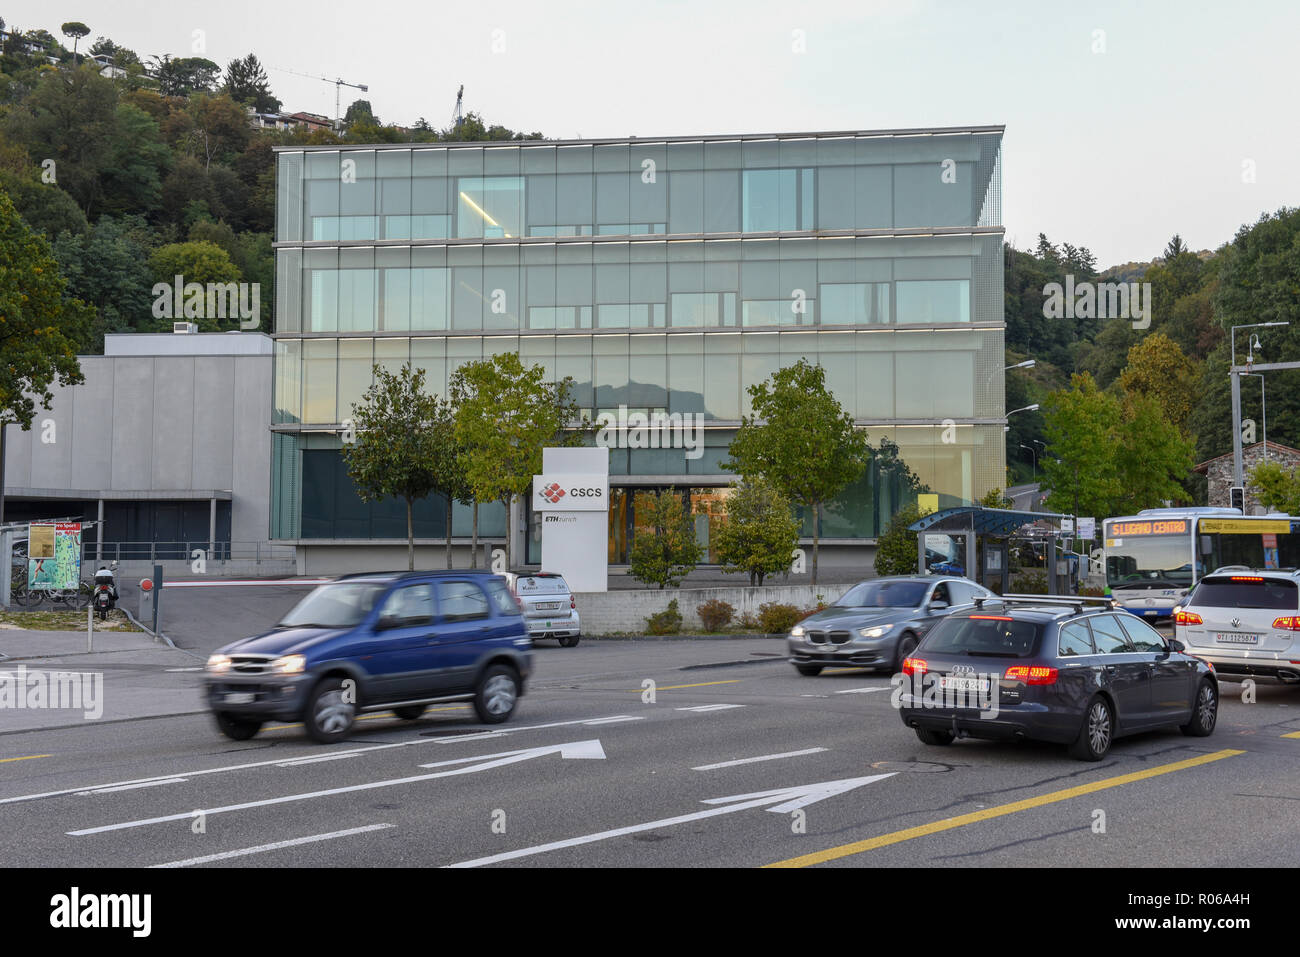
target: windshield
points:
(1151, 561)
(889, 594)
(1245, 591)
(337, 605)
(988, 636)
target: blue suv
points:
(376, 642)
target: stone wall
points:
(626, 611)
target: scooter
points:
(105, 597)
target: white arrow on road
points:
(783, 800)
(574, 749)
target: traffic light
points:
(1237, 498)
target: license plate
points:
(1151, 611)
(548, 605)
(240, 697)
(950, 683)
(1235, 638)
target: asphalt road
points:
(735, 760)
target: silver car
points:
(550, 609)
(877, 623)
(1246, 623)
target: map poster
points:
(54, 556)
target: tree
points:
(359, 111)
(1152, 457)
(896, 547)
(995, 499)
(39, 326)
(247, 83)
(108, 267)
(505, 415)
(200, 262)
(1079, 467)
(399, 433)
(185, 75)
(758, 533)
(664, 549)
(1277, 488)
(1158, 369)
(131, 177)
(801, 440)
(78, 32)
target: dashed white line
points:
(861, 690)
(278, 845)
(700, 708)
(755, 760)
(132, 787)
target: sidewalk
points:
(128, 675)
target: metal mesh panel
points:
(989, 168)
(286, 487)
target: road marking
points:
(316, 760)
(1293, 734)
(860, 690)
(173, 670)
(278, 845)
(615, 720)
(784, 799)
(574, 749)
(277, 761)
(763, 757)
(132, 787)
(371, 717)
(702, 684)
(947, 824)
(26, 757)
(701, 708)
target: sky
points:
(1125, 123)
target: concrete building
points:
(664, 275)
(165, 444)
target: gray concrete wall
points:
(161, 424)
(626, 611)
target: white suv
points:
(550, 610)
(1247, 623)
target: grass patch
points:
(62, 620)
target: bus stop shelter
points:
(976, 522)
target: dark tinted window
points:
(1143, 636)
(1244, 591)
(1108, 636)
(990, 635)
(889, 594)
(459, 601)
(1075, 639)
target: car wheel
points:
(237, 729)
(569, 642)
(1097, 732)
(1205, 712)
(808, 671)
(410, 712)
(935, 738)
(497, 694)
(906, 645)
(331, 710)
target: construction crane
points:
(458, 117)
(338, 87)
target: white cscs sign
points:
(571, 497)
(570, 493)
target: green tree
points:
(359, 111)
(185, 75)
(1152, 457)
(801, 440)
(247, 83)
(1277, 488)
(1079, 466)
(506, 413)
(137, 159)
(39, 325)
(1159, 370)
(108, 267)
(896, 547)
(200, 262)
(758, 533)
(78, 32)
(664, 549)
(399, 434)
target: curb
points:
(87, 724)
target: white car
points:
(1246, 623)
(550, 610)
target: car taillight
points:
(1189, 618)
(914, 666)
(573, 603)
(1032, 674)
(1290, 623)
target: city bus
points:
(1152, 559)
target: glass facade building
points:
(662, 275)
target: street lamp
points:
(1263, 410)
(1237, 472)
(1028, 408)
(1027, 364)
(1034, 452)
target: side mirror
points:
(938, 605)
(1175, 645)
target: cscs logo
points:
(553, 493)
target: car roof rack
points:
(1077, 602)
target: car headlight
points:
(218, 664)
(796, 631)
(289, 665)
(877, 631)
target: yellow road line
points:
(947, 824)
(702, 684)
(29, 757)
(1293, 734)
(372, 717)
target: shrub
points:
(774, 618)
(666, 622)
(715, 614)
(1029, 583)
(1092, 591)
(664, 549)
(809, 612)
(748, 622)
